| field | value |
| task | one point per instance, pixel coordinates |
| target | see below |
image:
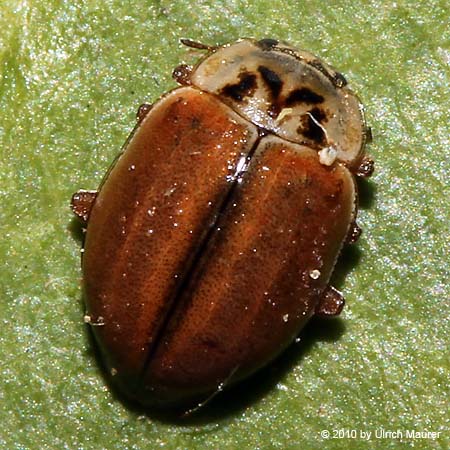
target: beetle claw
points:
(331, 303)
(182, 74)
(82, 202)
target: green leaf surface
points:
(72, 76)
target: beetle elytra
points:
(212, 240)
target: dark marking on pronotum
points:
(267, 44)
(274, 110)
(318, 114)
(272, 80)
(303, 95)
(310, 126)
(244, 88)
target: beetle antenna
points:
(197, 45)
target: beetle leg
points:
(354, 232)
(197, 45)
(142, 111)
(339, 80)
(331, 303)
(98, 322)
(82, 202)
(365, 168)
(182, 74)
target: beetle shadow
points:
(347, 261)
(351, 253)
(236, 399)
(76, 229)
(367, 193)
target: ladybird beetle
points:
(211, 241)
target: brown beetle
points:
(212, 239)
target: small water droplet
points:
(314, 274)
